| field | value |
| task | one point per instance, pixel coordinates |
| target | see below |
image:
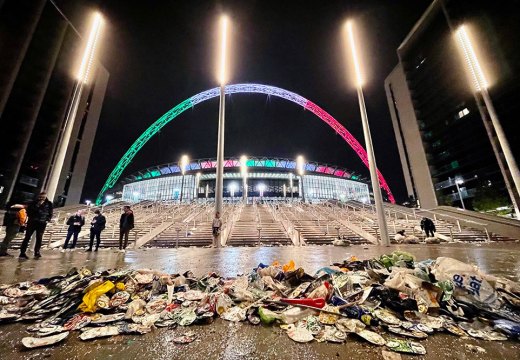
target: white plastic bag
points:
(470, 283)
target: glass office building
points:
(437, 118)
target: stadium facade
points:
(266, 178)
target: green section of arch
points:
(139, 143)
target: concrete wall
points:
(411, 151)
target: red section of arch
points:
(351, 140)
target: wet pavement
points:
(224, 340)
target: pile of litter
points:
(391, 301)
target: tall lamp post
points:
(82, 79)
(457, 183)
(291, 185)
(219, 188)
(261, 189)
(197, 184)
(480, 85)
(243, 172)
(183, 164)
(300, 166)
(378, 199)
(232, 188)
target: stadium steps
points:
(256, 225)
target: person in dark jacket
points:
(96, 226)
(75, 223)
(126, 223)
(428, 226)
(14, 219)
(39, 213)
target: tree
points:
(489, 198)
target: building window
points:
(462, 113)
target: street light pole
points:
(197, 184)
(183, 164)
(243, 170)
(457, 182)
(219, 186)
(480, 85)
(378, 198)
(82, 79)
(291, 185)
(300, 165)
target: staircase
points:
(255, 226)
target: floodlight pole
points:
(480, 85)
(219, 186)
(378, 198)
(291, 185)
(243, 170)
(244, 186)
(82, 78)
(506, 150)
(182, 187)
(54, 176)
(219, 181)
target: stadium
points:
(263, 178)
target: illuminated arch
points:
(233, 89)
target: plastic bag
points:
(90, 298)
(469, 283)
(403, 280)
(289, 266)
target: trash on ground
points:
(392, 300)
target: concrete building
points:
(40, 47)
(441, 133)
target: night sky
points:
(160, 53)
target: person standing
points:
(126, 223)
(14, 219)
(96, 226)
(75, 223)
(428, 226)
(39, 213)
(216, 227)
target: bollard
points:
(451, 233)
(50, 239)
(395, 229)
(406, 218)
(259, 234)
(458, 225)
(435, 217)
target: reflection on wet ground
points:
(224, 340)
